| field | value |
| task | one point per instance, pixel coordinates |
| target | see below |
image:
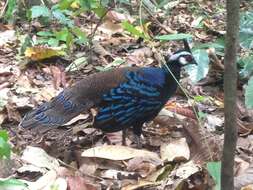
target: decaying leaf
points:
(117, 152)
(7, 36)
(176, 150)
(39, 158)
(79, 183)
(143, 165)
(244, 179)
(187, 169)
(37, 53)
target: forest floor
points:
(180, 150)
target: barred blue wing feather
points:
(51, 113)
(132, 101)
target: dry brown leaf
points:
(79, 183)
(186, 170)
(7, 36)
(58, 76)
(99, 49)
(118, 17)
(177, 150)
(13, 114)
(77, 118)
(241, 166)
(143, 165)
(38, 157)
(43, 181)
(88, 166)
(244, 179)
(109, 28)
(116, 152)
(248, 187)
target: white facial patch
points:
(175, 56)
(183, 61)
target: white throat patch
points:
(175, 56)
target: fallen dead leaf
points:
(59, 184)
(43, 181)
(77, 118)
(37, 53)
(140, 185)
(177, 150)
(241, 166)
(187, 169)
(79, 183)
(244, 179)
(117, 152)
(248, 187)
(118, 17)
(143, 165)
(7, 36)
(38, 157)
(58, 76)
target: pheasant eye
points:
(188, 58)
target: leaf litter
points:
(175, 148)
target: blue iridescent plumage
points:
(124, 97)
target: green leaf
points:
(116, 62)
(5, 149)
(65, 4)
(4, 135)
(249, 94)
(45, 34)
(132, 30)
(12, 184)
(41, 41)
(53, 42)
(82, 38)
(246, 31)
(62, 35)
(247, 63)
(199, 98)
(214, 169)
(89, 4)
(77, 64)
(38, 11)
(201, 115)
(180, 36)
(10, 9)
(58, 14)
(198, 72)
(100, 11)
(209, 45)
(70, 40)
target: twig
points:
(4, 8)
(92, 34)
(165, 28)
